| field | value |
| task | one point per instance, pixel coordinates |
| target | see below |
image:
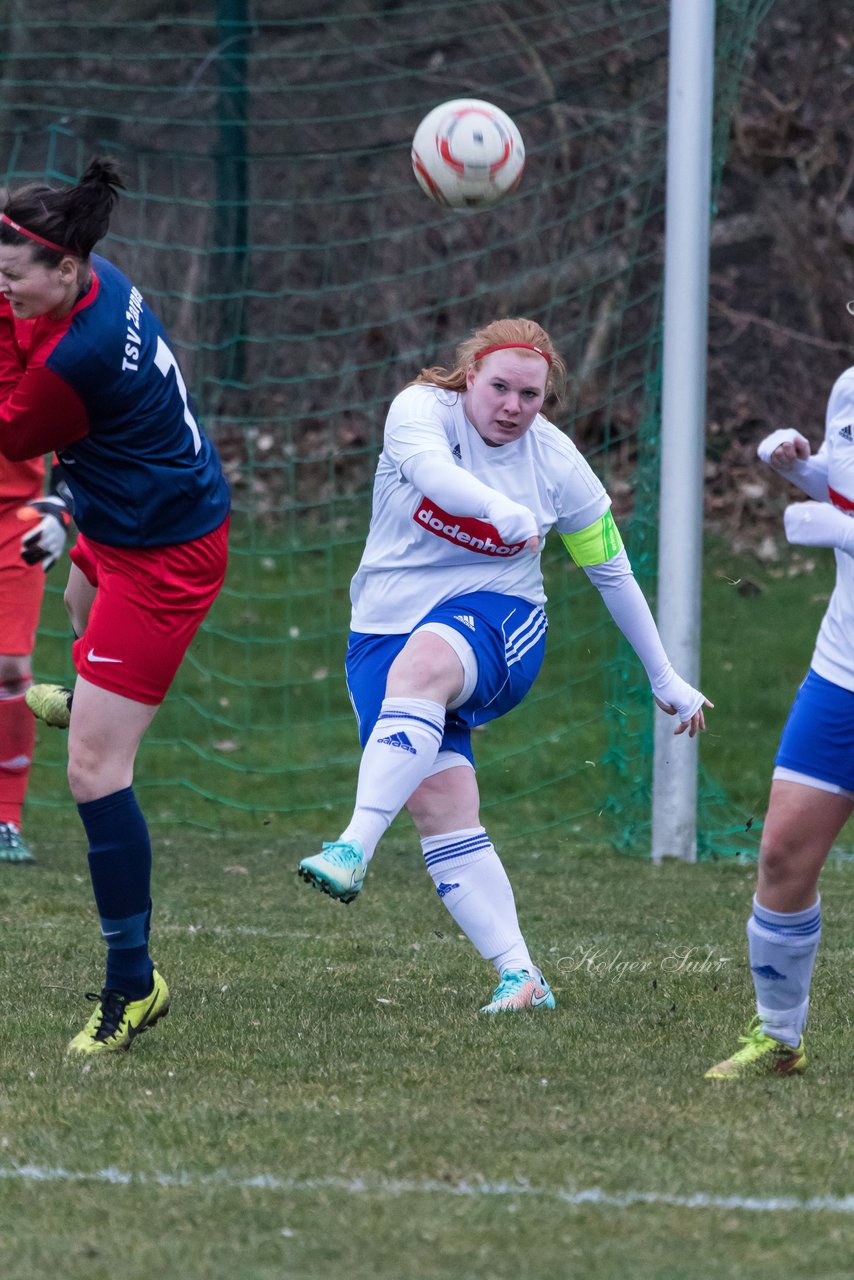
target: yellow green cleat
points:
(50, 703)
(762, 1055)
(117, 1020)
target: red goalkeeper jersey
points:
(21, 481)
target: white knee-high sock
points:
(397, 757)
(783, 946)
(473, 885)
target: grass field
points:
(324, 1101)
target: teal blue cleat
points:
(519, 989)
(13, 846)
(339, 869)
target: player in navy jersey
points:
(812, 788)
(87, 370)
(448, 627)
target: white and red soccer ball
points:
(467, 154)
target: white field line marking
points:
(400, 1187)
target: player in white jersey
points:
(448, 627)
(812, 788)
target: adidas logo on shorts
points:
(399, 740)
(847, 433)
(466, 619)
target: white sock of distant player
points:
(473, 885)
(397, 757)
(783, 946)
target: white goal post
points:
(680, 525)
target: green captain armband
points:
(597, 543)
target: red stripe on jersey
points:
(464, 531)
(839, 500)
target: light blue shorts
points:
(508, 638)
(818, 738)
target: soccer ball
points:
(467, 154)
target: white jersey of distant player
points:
(418, 555)
(833, 657)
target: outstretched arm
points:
(627, 605)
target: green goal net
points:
(272, 220)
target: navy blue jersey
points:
(144, 474)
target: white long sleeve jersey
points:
(833, 656)
(417, 555)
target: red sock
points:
(17, 739)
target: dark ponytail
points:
(72, 218)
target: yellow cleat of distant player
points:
(50, 703)
(762, 1055)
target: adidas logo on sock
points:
(443, 888)
(399, 740)
(768, 971)
(847, 433)
(466, 619)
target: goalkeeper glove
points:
(44, 544)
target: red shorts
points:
(21, 585)
(149, 603)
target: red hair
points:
(518, 333)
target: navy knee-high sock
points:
(120, 867)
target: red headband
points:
(504, 346)
(31, 235)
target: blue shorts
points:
(508, 636)
(818, 737)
